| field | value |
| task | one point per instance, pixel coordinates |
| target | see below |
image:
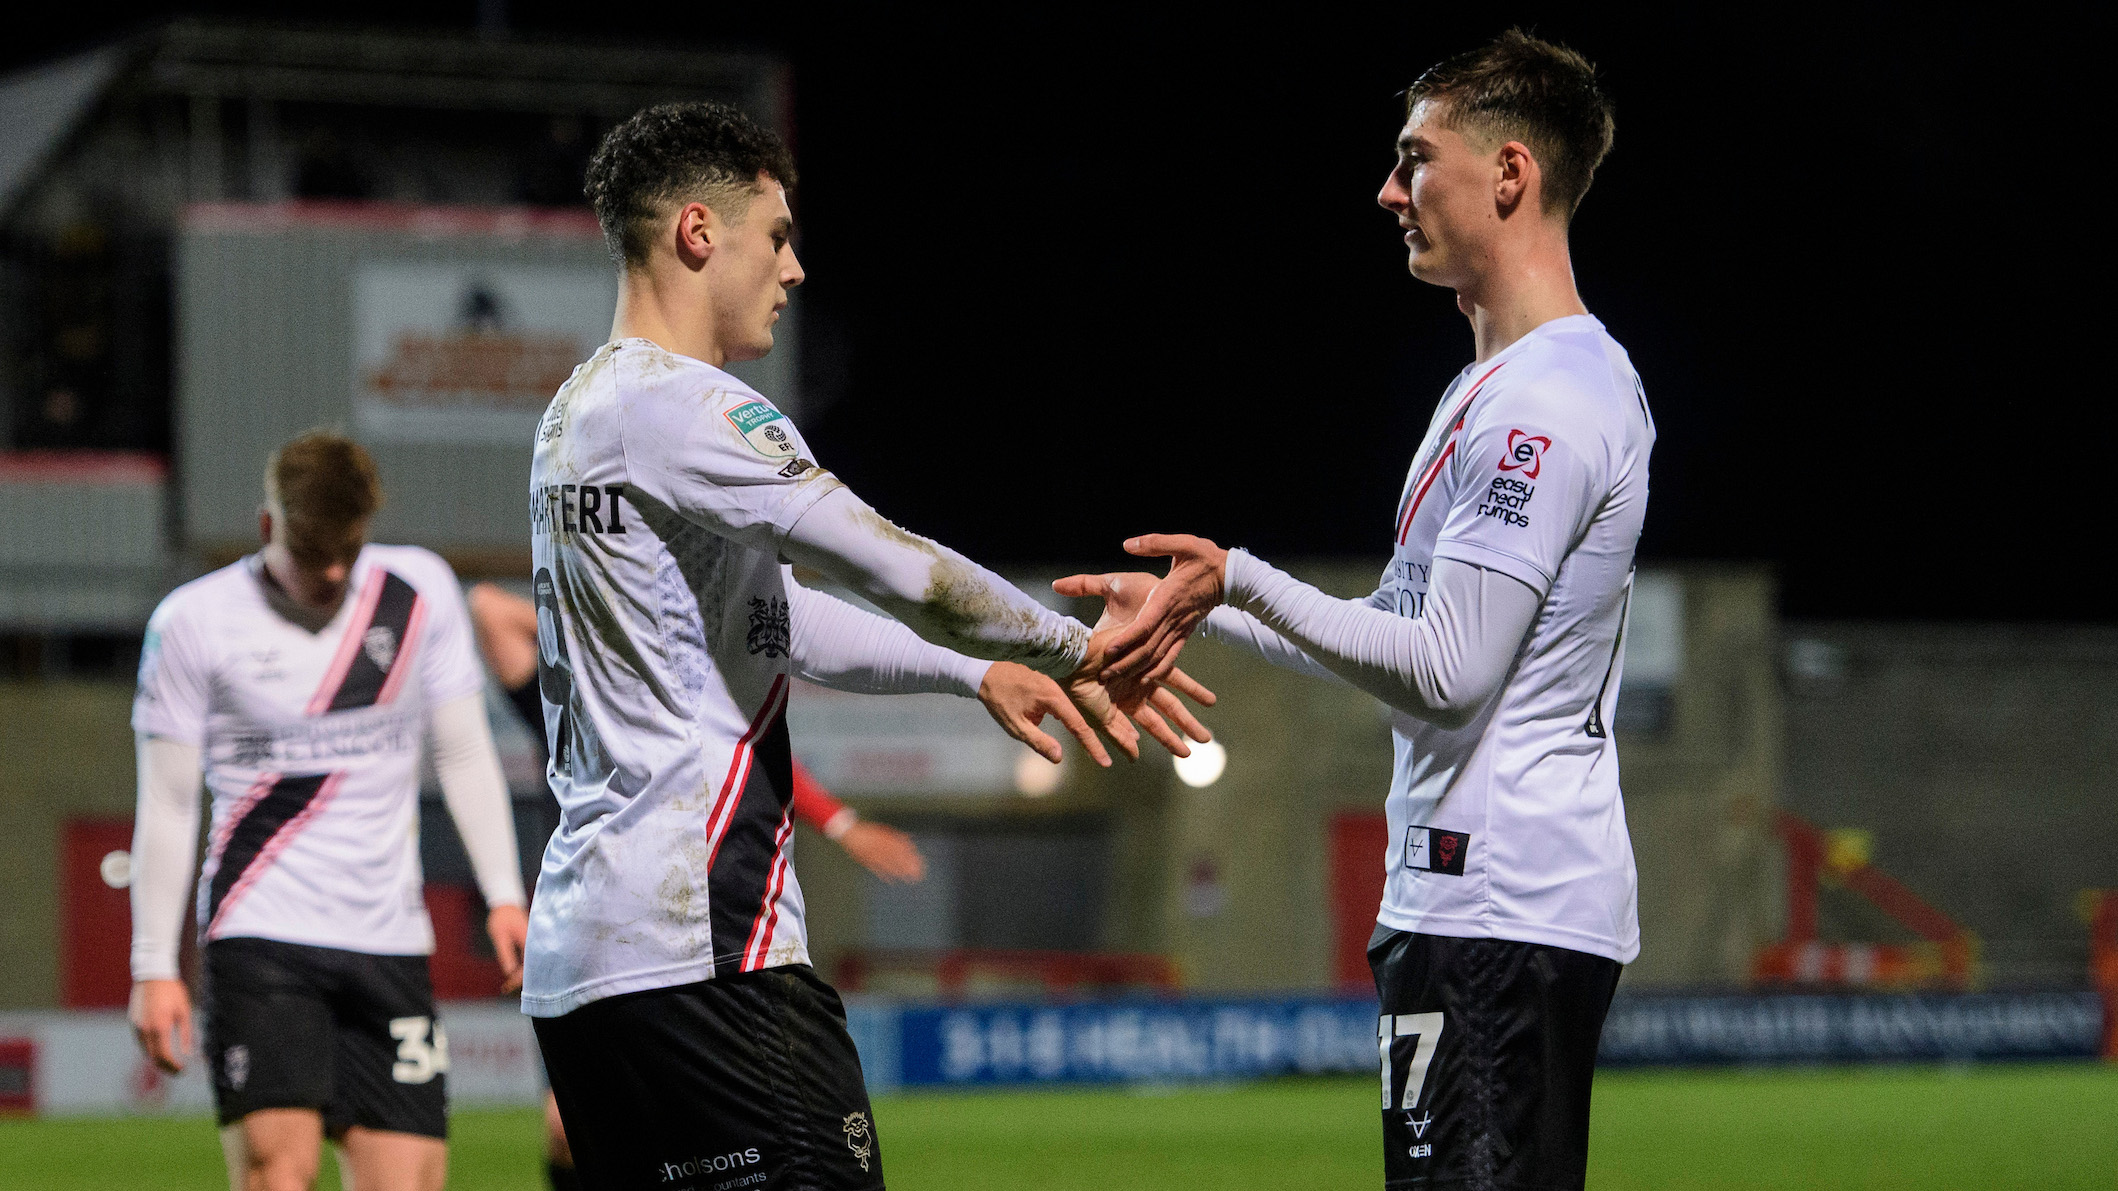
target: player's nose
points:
(1392, 197)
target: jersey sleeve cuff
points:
(836, 827)
(154, 967)
(1521, 570)
(1241, 578)
(969, 674)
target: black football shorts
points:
(746, 1082)
(351, 1035)
(1488, 1051)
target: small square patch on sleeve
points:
(766, 429)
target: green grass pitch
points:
(1877, 1129)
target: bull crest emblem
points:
(380, 644)
(858, 1137)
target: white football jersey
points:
(310, 744)
(661, 490)
(1512, 826)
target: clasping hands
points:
(1019, 698)
(1144, 650)
(1147, 703)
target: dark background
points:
(1077, 275)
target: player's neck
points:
(674, 314)
(279, 593)
(1529, 285)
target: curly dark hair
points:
(678, 152)
(1517, 87)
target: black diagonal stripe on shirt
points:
(288, 797)
(364, 679)
(742, 867)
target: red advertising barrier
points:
(95, 914)
(1358, 843)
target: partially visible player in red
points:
(506, 625)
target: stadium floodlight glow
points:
(1204, 767)
(1036, 777)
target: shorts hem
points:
(582, 995)
(225, 1118)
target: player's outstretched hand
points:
(1147, 648)
(160, 1009)
(508, 927)
(885, 851)
(1154, 707)
(1018, 698)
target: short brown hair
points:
(1520, 88)
(327, 487)
(679, 153)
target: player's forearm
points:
(165, 835)
(475, 792)
(1441, 666)
(943, 596)
(1242, 631)
(837, 645)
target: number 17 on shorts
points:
(1407, 1042)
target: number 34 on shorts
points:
(422, 1049)
(1407, 1042)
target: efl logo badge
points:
(1525, 453)
(1435, 850)
(764, 428)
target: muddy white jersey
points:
(661, 491)
(310, 744)
(1513, 825)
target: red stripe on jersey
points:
(1405, 527)
(401, 665)
(356, 625)
(768, 915)
(1463, 410)
(270, 852)
(739, 770)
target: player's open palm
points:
(1018, 698)
(161, 1022)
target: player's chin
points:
(757, 348)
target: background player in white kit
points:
(299, 682)
(1496, 637)
(688, 1040)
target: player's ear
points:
(695, 233)
(264, 525)
(1514, 169)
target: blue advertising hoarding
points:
(1172, 1041)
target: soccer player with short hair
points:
(507, 637)
(688, 1039)
(299, 683)
(1495, 636)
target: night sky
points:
(1074, 277)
